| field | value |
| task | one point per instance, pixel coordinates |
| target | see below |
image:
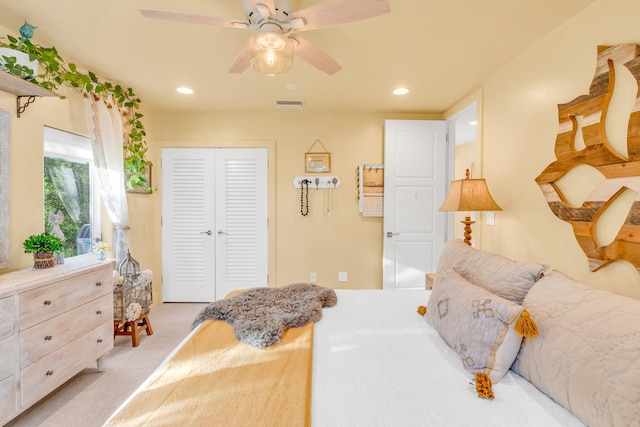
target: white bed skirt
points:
(376, 362)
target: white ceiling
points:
(440, 50)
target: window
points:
(69, 188)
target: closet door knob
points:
(99, 312)
(99, 340)
(49, 373)
(48, 338)
(47, 302)
(98, 283)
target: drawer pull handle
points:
(47, 302)
(48, 338)
(98, 283)
(99, 312)
(99, 340)
(49, 373)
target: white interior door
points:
(415, 181)
(214, 222)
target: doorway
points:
(464, 156)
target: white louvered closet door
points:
(214, 228)
(241, 219)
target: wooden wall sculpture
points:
(622, 171)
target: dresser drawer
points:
(48, 373)
(43, 303)
(46, 337)
(8, 396)
(6, 317)
(7, 367)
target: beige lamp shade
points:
(469, 195)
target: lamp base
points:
(467, 229)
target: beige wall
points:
(334, 236)
(519, 128)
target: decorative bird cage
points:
(133, 291)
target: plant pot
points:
(44, 260)
(21, 59)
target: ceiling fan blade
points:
(340, 12)
(192, 18)
(315, 56)
(242, 61)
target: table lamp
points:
(469, 195)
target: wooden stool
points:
(134, 327)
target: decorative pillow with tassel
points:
(485, 330)
(497, 274)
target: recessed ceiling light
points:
(185, 90)
(401, 91)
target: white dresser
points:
(53, 323)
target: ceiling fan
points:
(271, 50)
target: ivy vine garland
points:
(57, 72)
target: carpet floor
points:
(89, 398)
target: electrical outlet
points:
(313, 277)
(343, 276)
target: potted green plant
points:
(43, 246)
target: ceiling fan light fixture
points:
(271, 53)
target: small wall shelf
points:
(21, 88)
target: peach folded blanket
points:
(216, 380)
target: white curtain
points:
(105, 125)
(64, 183)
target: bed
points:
(375, 362)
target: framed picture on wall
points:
(145, 188)
(317, 162)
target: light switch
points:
(491, 218)
(343, 276)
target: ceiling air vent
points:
(289, 104)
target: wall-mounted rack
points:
(317, 181)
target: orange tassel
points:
(422, 310)
(484, 385)
(525, 325)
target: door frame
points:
(270, 145)
(459, 121)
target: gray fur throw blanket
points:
(260, 316)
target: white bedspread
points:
(376, 362)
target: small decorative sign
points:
(317, 162)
